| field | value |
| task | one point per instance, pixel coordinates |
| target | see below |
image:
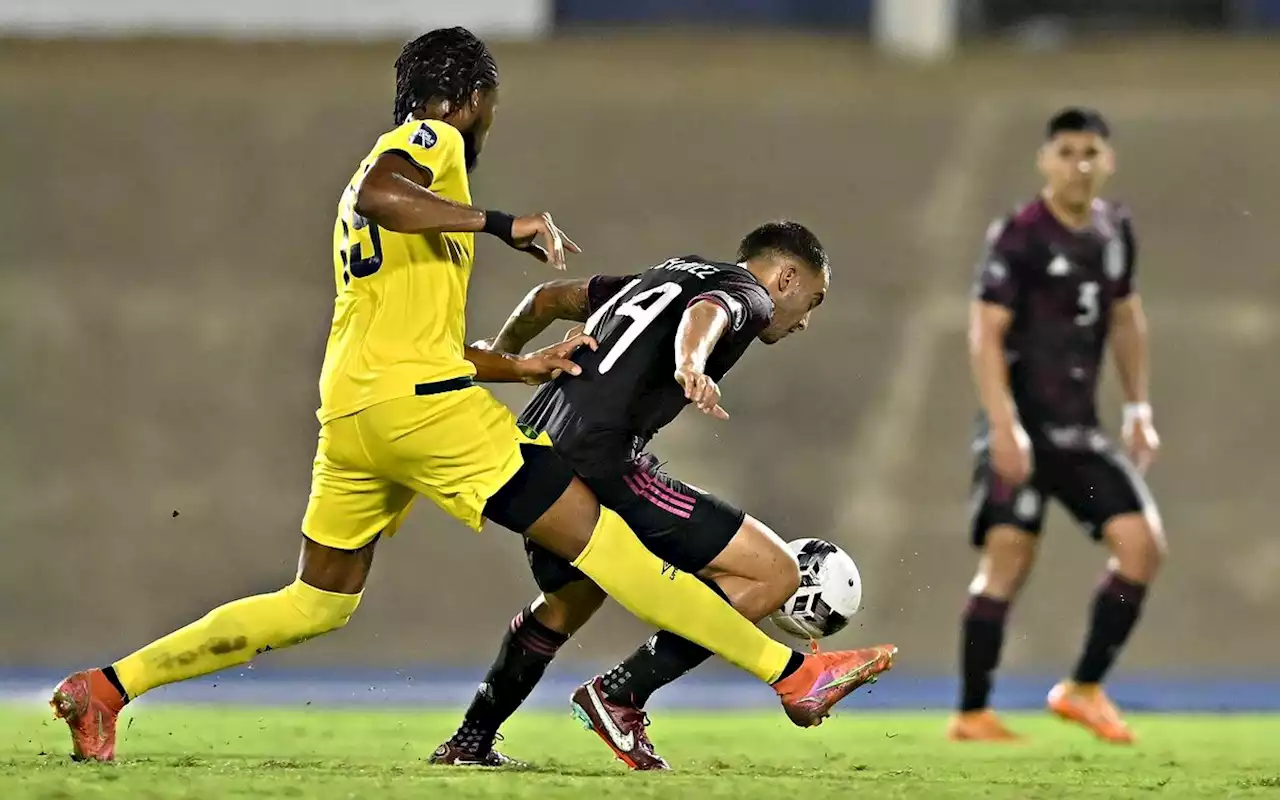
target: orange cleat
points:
(979, 726)
(90, 706)
(1088, 705)
(825, 679)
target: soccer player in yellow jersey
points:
(401, 415)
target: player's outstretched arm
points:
(395, 195)
(533, 368)
(701, 327)
(1129, 349)
(545, 304)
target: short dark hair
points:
(444, 64)
(784, 238)
(1078, 120)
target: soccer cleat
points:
(621, 727)
(979, 726)
(90, 706)
(825, 679)
(1088, 705)
(449, 755)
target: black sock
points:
(1116, 607)
(982, 635)
(656, 663)
(659, 661)
(526, 651)
(110, 673)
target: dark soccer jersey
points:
(627, 390)
(1060, 285)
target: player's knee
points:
(1138, 548)
(320, 611)
(1007, 558)
(786, 578)
(567, 609)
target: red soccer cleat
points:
(621, 727)
(450, 755)
(825, 679)
(90, 705)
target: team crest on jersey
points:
(528, 430)
(424, 137)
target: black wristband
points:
(499, 224)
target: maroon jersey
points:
(627, 390)
(1060, 285)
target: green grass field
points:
(214, 753)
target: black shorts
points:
(1095, 484)
(679, 523)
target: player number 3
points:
(1087, 304)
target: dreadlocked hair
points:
(444, 64)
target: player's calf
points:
(756, 571)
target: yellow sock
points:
(622, 566)
(235, 633)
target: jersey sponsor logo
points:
(1059, 266)
(424, 137)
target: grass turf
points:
(209, 752)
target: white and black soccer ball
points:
(830, 591)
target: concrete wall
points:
(165, 290)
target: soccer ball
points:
(830, 591)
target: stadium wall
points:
(278, 18)
(166, 287)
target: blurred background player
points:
(1055, 286)
(400, 416)
(666, 336)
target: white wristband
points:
(1137, 412)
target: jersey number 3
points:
(1087, 304)
(642, 310)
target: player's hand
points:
(538, 235)
(576, 330)
(551, 362)
(1140, 437)
(1011, 453)
(701, 391)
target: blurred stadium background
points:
(169, 177)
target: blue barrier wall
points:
(781, 13)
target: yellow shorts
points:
(457, 448)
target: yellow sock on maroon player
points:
(235, 633)
(674, 601)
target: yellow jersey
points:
(400, 312)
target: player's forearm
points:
(552, 301)
(990, 370)
(396, 203)
(1129, 348)
(493, 367)
(700, 328)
